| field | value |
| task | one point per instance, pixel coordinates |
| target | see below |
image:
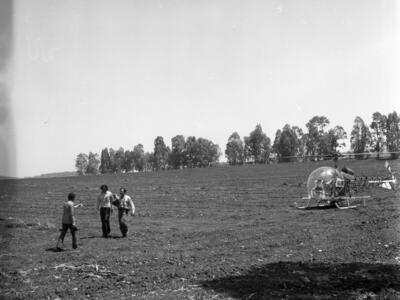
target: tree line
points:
(290, 143)
(191, 152)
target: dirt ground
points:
(215, 233)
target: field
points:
(215, 233)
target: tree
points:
(393, 134)
(200, 152)
(139, 160)
(257, 146)
(301, 147)
(314, 139)
(214, 153)
(331, 140)
(206, 153)
(378, 132)
(360, 137)
(177, 155)
(161, 154)
(288, 143)
(275, 146)
(93, 163)
(81, 163)
(117, 159)
(148, 161)
(190, 152)
(234, 150)
(128, 164)
(105, 162)
(113, 164)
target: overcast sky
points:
(85, 75)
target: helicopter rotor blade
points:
(338, 154)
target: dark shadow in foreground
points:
(297, 280)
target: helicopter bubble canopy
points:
(321, 178)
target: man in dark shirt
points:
(68, 221)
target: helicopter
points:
(330, 187)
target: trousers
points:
(122, 219)
(64, 230)
(105, 213)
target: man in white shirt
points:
(125, 205)
(104, 204)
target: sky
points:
(85, 75)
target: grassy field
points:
(215, 233)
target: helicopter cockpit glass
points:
(322, 181)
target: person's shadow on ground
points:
(56, 249)
(100, 237)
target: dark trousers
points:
(64, 230)
(105, 213)
(122, 218)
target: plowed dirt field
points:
(214, 233)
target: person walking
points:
(104, 204)
(125, 205)
(68, 222)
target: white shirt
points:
(104, 200)
(127, 203)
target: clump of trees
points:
(255, 148)
(87, 163)
(317, 142)
(290, 143)
(320, 142)
(392, 134)
(191, 152)
(118, 161)
(383, 134)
